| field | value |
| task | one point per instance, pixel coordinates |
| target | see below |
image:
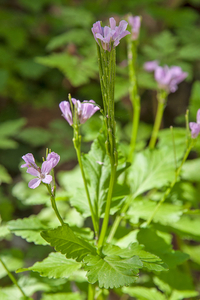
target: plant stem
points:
(108, 204)
(171, 185)
(13, 279)
(91, 291)
(159, 114)
(53, 203)
(135, 99)
(94, 221)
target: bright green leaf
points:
(54, 266)
(143, 293)
(63, 296)
(65, 241)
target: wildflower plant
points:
(126, 197)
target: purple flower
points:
(135, 23)
(109, 36)
(42, 173)
(150, 66)
(195, 127)
(84, 110)
(169, 78)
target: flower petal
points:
(29, 161)
(54, 157)
(47, 179)
(47, 166)
(66, 111)
(33, 172)
(34, 183)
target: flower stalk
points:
(133, 92)
(161, 96)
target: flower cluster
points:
(84, 110)
(195, 127)
(167, 78)
(42, 173)
(135, 23)
(109, 36)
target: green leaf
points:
(151, 169)
(63, 296)
(190, 52)
(11, 128)
(77, 36)
(4, 176)
(13, 259)
(188, 226)
(35, 136)
(112, 271)
(179, 295)
(193, 252)
(150, 261)
(77, 16)
(54, 266)
(166, 214)
(156, 245)
(29, 229)
(65, 241)
(190, 170)
(143, 293)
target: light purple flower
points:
(42, 173)
(169, 78)
(150, 66)
(29, 161)
(195, 127)
(135, 23)
(109, 36)
(85, 110)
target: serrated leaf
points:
(65, 241)
(63, 296)
(29, 229)
(151, 169)
(54, 266)
(143, 293)
(112, 271)
(150, 261)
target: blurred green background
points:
(47, 50)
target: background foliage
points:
(47, 51)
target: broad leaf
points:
(13, 259)
(150, 261)
(65, 241)
(151, 169)
(166, 214)
(188, 227)
(55, 265)
(29, 229)
(180, 295)
(112, 271)
(143, 293)
(156, 245)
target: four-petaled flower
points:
(150, 66)
(109, 36)
(169, 78)
(42, 173)
(84, 110)
(135, 23)
(195, 127)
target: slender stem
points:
(13, 279)
(135, 99)
(108, 203)
(53, 203)
(94, 221)
(159, 114)
(171, 185)
(91, 291)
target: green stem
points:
(135, 99)
(91, 291)
(54, 206)
(108, 204)
(53, 203)
(171, 185)
(159, 114)
(94, 221)
(13, 279)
